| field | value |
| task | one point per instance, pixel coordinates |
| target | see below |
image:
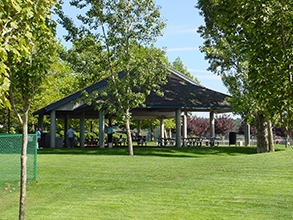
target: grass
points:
(158, 183)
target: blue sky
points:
(182, 40)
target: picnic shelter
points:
(181, 95)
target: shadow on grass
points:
(157, 151)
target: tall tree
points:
(249, 44)
(178, 65)
(123, 29)
(27, 37)
(59, 81)
(84, 59)
(13, 21)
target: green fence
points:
(10, 161)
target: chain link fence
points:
(10, 161)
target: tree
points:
(224, 124)
(27, 43)
(123, 29)
(249, 43)
(59, 81)
(13, 21)
(84, 59)
(178, 65)
(198, 126)
(150, 124)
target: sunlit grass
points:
(159, 183)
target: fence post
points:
(36, 153)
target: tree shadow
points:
(156, 151)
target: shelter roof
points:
(180, 92)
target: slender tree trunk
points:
(8, 121)
(139, 127)
(129, 138)
(262, 134)
(23, 166)
(270, 137)
(92, 126)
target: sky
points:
(180, 38)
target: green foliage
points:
(84, 58)
(27, 62)
(178, 65)
(121, 35)
(25, 29)
(27, 45)
(249, 44)
(115, 33)
(58, 82)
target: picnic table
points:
(163, 142)
(140, 140)
(192, 141)
(119, 142)
(188, 142)
(212, 143)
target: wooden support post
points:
(178, 127)
(81, 129)
(212, 124)
(101, 129)
(52, 129)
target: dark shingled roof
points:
(179, 93)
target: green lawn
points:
(158, 183)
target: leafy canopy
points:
(121, 35)
(249, 44)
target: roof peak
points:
(182, 76)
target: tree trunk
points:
(262, 134)
(270, 137)
(165, 133)
(23, 167)
(129, 138)
(139, 127)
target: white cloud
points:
(183, 49)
